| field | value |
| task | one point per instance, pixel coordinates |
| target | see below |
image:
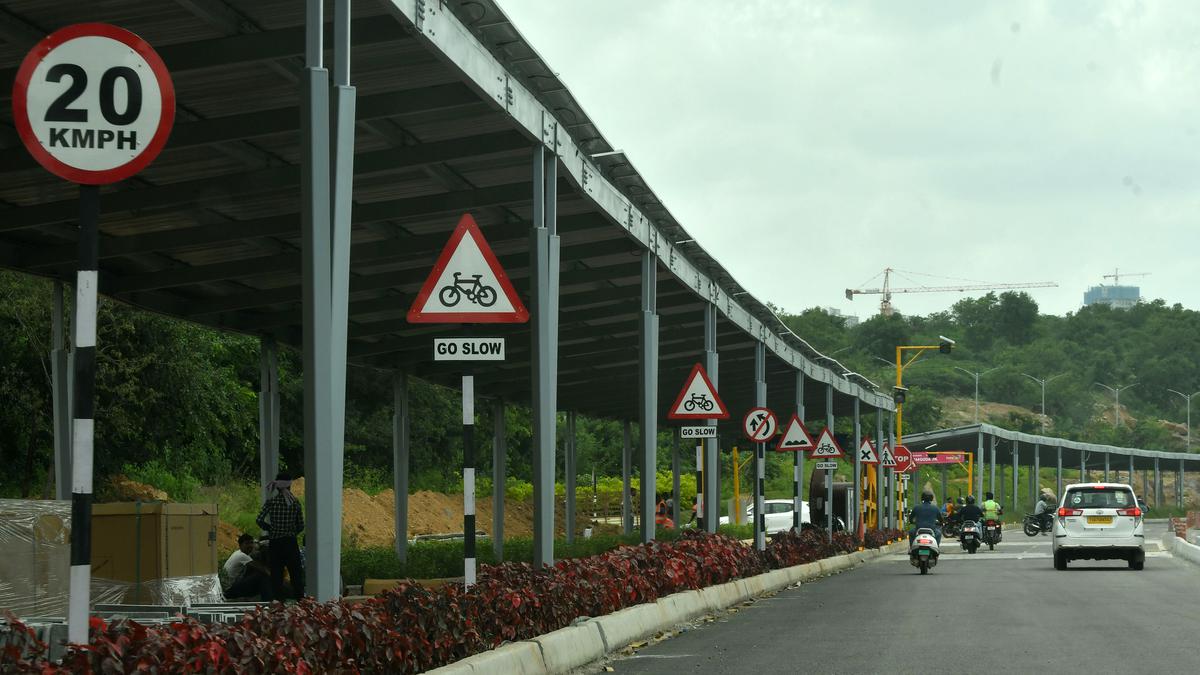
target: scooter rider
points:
(926, 514)
(971, 513)
(991, 508)
(1043, 511)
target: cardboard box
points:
(137, 542)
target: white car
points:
(778, 514)
(1099, 521)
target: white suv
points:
(1099, 521)
(778, 514)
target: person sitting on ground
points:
(283, 520)
(245, 576)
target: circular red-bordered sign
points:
(93, 103)
(760, 425)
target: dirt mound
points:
(125, 489)
(227, 536)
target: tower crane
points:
(885, 304)
(1116, 275)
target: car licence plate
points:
(1100, 520)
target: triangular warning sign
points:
(886, 458)
(467, 284)
(827, 446)
(698, 399)
(795, 437)
(866, 452)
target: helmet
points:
(927, 496)
(988, 495)
(961, 501)
(1047, 498)
(970, 499)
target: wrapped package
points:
(34, 570)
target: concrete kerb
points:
(574, 646)
(1181, 548)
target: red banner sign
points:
(924, 458)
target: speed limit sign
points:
(93, 103)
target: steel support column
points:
(1106, 455)
(760, 460)
(712, 490)
(544, 250)
(1058, 474)
(60, 386)
(829, 421)
(570, 472)
(648, 391)
(401, 450)
(1131, 476)
(499, 476)
(797, 461)
(1158, 485)
(1016, 477)
(856, 504)
(891, 478)
(675, 482)
(268, 413)
(880, 471)
(1179, 486)
(1082, 466)
(1034, 471)
(992, 472)
(626, 478)
(980, 466)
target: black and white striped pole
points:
(83, 425)
(468, 408)
(699, 485)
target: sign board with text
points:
(468, 349)
(697, 432)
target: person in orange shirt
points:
(662, 515)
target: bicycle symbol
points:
(698, 400)
(476, 291)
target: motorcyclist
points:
(926, 514)
(992, 510)
(1044, 511)
(971, 513)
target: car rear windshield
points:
(1099, 498)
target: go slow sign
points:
(468, 349)
(93, 103)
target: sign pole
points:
(468, 418)
(84, 424)
(700, 485)
(760, 518)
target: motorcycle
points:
(923, 553)
(1036, 524)
(992, 533)
(969, 537)
(952, 527)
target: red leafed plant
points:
(410, 628)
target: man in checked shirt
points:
(282, 519)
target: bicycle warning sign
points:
(698, 399)
(467, 284)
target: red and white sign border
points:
(21, 92)
(722, 413)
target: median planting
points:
(410, 628)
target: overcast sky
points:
(808, 145)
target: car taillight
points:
(1134, 511)
(1064, 512)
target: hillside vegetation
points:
(1153, 345)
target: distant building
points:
(1119, 297)
(850, 319)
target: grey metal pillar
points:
(829, 421)
(1131, 476)
(326, 184)
(798, 461)
(760, 459)
(1034, 471)
(1158, 485)
(60, 388)
(712, 488)
(891, 477)
(570, 471)
(1180, 488)
(992, 473)
(945, 484)
(856, 504)
(626, 479)
(499, 476)
(980, 467)
(1106, 467)
(1146, 486)
(880, 471)
(1016, 478)
(544, 251)
(268, 413)
(648, 391)
(1058, 473)
(1082, 466)
(401, 447)
(675, 506)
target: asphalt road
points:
(1010, 605)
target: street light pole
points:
(1188, 398)
(1043, 383)
(976, 375)
(1117, 400)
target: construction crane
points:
(1116, 276)
(885, 305)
